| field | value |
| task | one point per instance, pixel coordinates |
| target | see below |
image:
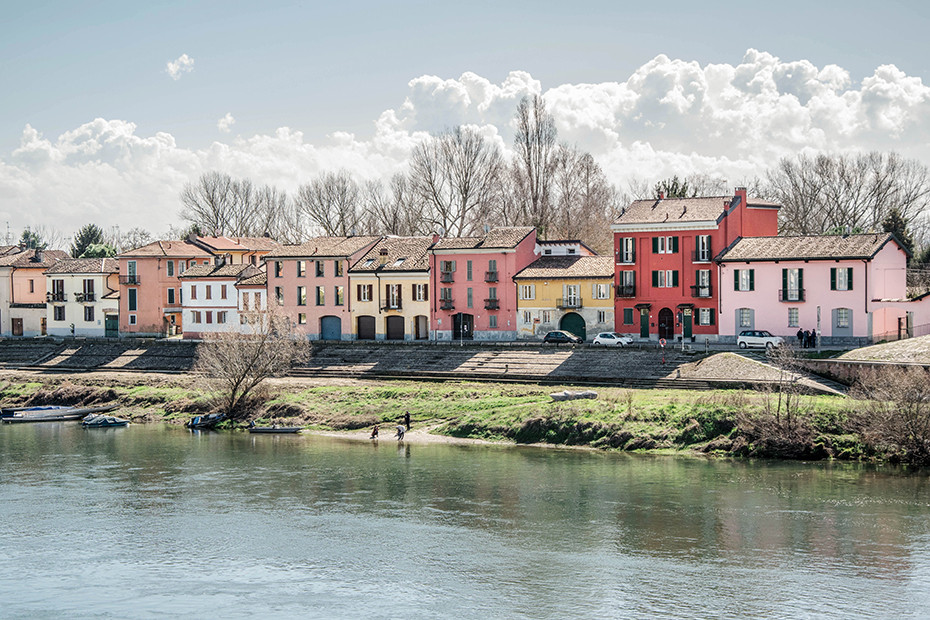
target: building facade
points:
(23, 295)
(211, 298)
(83, 298)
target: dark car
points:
(560, 336)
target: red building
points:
(664, 252)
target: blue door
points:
(331, 328)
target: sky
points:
(109, 108)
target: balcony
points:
(702, 291)
(134, 279)
(446, 304)
(568, 303)
(56, 297)
(396, 306)
(85, 297)
(490, 276)
(447, 276)
(626, 290)
(791, 294)
(701, 256)
(492, 304)
(627, 259)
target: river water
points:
(150, 521)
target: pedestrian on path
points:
(407, 419)
(800, 338)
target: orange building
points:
(23, 294)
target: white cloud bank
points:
(225, 123)
(669, 117)
(176, 68)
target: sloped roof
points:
(172, 249)
(807, 247)
(655, 211)
(412, 249)
(26, 259)
(221, 271)
(239, 244)
(259, 279)
(8, 249)
(502, 237)
(84, 265)
(322, 247)
(568, 267)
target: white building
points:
(83, 297)
(210, 298)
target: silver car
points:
(758, 338)
(613, 339)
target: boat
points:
(570, 395)
(205, 422)
(99, 420)
(274, 429)
(51, 413)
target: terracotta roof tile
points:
(84, 265)
(259, 279)
(221, 271)
(807, 247)
(568, 267)
(386, 253)
(502, 237)
(26, 259)
(239, 244)
(170, 249)
(322, 247)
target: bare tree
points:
(395, 210)
(896, 418)
(457, 176)
(533, 162)
(208, 203)
(584, 201)
(236, 364)
(218, 204)
(332, 203)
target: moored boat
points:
(52, 413)
(274, 429)
(205, 422)
(99, 420)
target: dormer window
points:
(399, 262)
(547, 251)
(571, 250)
(369, 262)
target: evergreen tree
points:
(32, 240)
(89, 234)
(98, 250)
(675, 188)
(896, 225)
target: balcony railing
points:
(392, 306)
(791, 294)
(446, 304)
(570, 302)
(56, 297)
(492, 304)
(447, 276)
(129, 279)
(627, 259)
(84, 297)
(701, 256)
(490, 276)
(626, 290)
(701, 291)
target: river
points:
(150, 521)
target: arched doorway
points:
(574, 323)
(394, 326)
(666, 324)
(366, 328)
(330, 328)
(463, 326)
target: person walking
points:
(800, 335)
(407, 419)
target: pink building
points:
(150, 292)
(237, 250)
(847, 287)
(477, 297)
(310, 283)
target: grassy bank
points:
(727, 422)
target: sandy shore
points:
(420, 435)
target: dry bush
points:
(896, 415)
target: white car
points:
(613, 339)
(758, 338)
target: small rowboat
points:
(274, 429)
(98, 420)
(51, 413)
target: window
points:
(180, 266)
(301, 318)
(705, 316)
(702, 283)
(132, 301)
(665, 245)
(492, 321)
(221, 317)
(527, 291)
(841, 279)
(399, 262)
(222, 291)
(340, 296)
(320, 272)
(364, 292)
(792, 284)
(468, 271)
(627, 250)
(628, 316)
(492, 292)
(58, 290)
(210, 316)
(601, 316)
(278, 268)
(302, 295)
(193, 291)
(793, 317)
(170, 296)
(447, 266)
(337, 268)
(842, 317)
(547, 316)
(468, 297)
(570, 293)
(88, 287)
(369, 262)
(667, 278)
(445, 294)
(702, 249)
(744, 280)
(745, 317)
(600, 291)
(301, 268)
(245, 302)
(547, 251)
(59, 313)
(208, 291)
(32, 286)
(320, 297)
(132, 319)
(393, 294)
(257, 297)
(279, 295)
(420, 292)
(169, 267)
(195, 316)
(492, 265)
(131, 271)
(527, 316)
(571, 250)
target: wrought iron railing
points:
(568, 302)
(492, 304)
(791, 294)
(134, 279)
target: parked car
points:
(613, 339)
(560, 336)
(758, 338)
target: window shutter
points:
(675, 276)
(632, 250)
(712, 311)
(594, 291)
(736, 279)
(832, 278)
(387, 294)
(784, 283)
(849, 278)
(800, 281)
(413, 292)
(358, 292)
(426, 292)
(453, 265)
(752, 279)
(674, 245)
(655, 245)
(655, 279)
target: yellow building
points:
(573, 293)
(390, 292)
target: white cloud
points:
(175, 68)
(669, 117)
(225, 123)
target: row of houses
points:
(683, 269)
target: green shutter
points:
(674, 245)
(736, 279)
(628, 316)
(784, 283)
(712, 311)
(675, 278)
(800, 284)
(832, 278)
(752, 279)
(849, 278)
(655, 245)
(655, 279)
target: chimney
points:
(38, 256)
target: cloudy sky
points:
(108, 108)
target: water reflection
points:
(448, 530)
